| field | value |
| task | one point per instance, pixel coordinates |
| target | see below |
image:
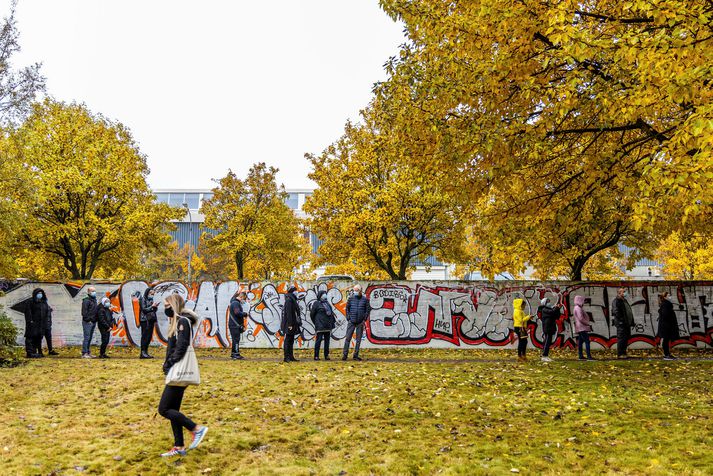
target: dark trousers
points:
(351, 328)
(623, 333)
(666, 344)
(105, 335)
(235, 337)
(583, 340)
(48, 337)
(521, 341)
(288, 346)
(33, 345)
(146, 334)
(322, 337)
(548, 342)
(169, 407)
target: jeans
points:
(359, 328)
(623, 333)
(146, 334)
(88, 329)
(322, 337)
(583, 339)
(169, 407)
(105, 334)
(548, 343)
(235, 337)
(288, 346)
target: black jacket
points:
(38, 315)
(147, 311)
(549, 316)
(668, 323)
(179, 343)
(105, 318)
(290, 315)
(236, 315)
(322, 315)
(357, 309)
(90, 307)
(621, 312)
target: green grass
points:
(398, 412)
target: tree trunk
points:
(239, 264)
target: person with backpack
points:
(90, 308)
(549, 316)
(181, 322)
(147, 321)
(520, 320)
(668, 325)
(358, 309)
(236, 323)
(290, 326)
(37, 313)
(105, 321)
(324, 322)
(624, 322)
(582, 327)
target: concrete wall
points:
(417, 314)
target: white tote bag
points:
(185, 372)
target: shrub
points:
(9, 351)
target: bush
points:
(9, 351)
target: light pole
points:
(190, 240)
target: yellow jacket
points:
(518, 315)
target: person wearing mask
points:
(624, 321)
(290, 324)
(324, 321)
(105, 321)
(549, 316)
(668, 325)
(37, 313)
(147, 321)
(357, 312)
(181, 322)
(520, 320)
(236, 323)
(90, 308)
(582, 326)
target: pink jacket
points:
(581, 319)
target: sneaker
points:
(145, 356)
(581, 358)
(53, 352)
(546, 359)
(316, 358)
(198, 436)
(175, 451)
(327, 357)
(239, 357)
(669, 357)
(87, 356)
(103, 356)
(591, 359)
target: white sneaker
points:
(546, 359)
(87, 356)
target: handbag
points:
(185, 372)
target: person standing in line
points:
(582, 327)
(47, 329)
(324, 321)
(105, 321)
(236, 323)
(180, 324)
(549, 316)
(520, 320)
(624, 321)
(357, 313)
(147, 321)
(290, 325)
(37, 313)
(90, 308)
(668, 325)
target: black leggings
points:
(666, 344)
(521, 341)
(322, 337)
(169, 407)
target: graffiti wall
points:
(418, 314)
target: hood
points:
(192, 316)
(320, 294)
(146, 293)
(37, 291)
(517, 303)
(579, 301)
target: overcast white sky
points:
(210, 85)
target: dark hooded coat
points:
(668, 324)
(38, 315)
(322, 314)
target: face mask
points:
(169, 312)
(93, 294)
(323, 298)
(40, 296)
(107, 305)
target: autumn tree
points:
(687, 253)
(90, 205)
(540, 109)
(372, 206)
(250, 223)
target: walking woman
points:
(582, 327)
(668, 325)
(520, 320)
(324, 322)
(180, 326)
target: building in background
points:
(189, 230)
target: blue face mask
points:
(40, 296)
(107, 305)
(93, 294)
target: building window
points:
(292, 200)
(162, 198)
(192, 200)
(207, 196)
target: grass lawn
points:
(398, 412)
